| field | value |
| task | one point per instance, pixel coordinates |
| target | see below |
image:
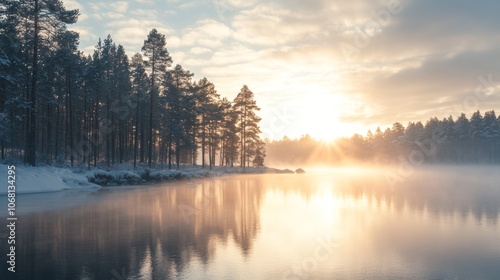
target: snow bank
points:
(143, 176)
(146, 176)
(250, 170)
(44, 179)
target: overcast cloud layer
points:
(350, 65)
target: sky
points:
(328, 68)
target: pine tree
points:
(140, 84)
(52, 15)
(229, 131)
(67, 60)
(260, 153)
(461, 134)
(476, 122)
(245, 106)
(122, 106)
(155, 50)
(97, 83)
(205, 97)
(180, 106)
(94, 109)
(12, 72)
(489, 133)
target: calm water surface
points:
(341, 224)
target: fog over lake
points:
(345, 223)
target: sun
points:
(315, 104)
(321, 116)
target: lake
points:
(435, 223)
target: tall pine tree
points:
(245, 106)
(159, 59)
(52, 15)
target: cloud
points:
(188, 5)
(423, 62)
(119, 6)
(207, 33)
(112, 15)
(427, 61)
(108, 10)
(133, 37)
(269, 24)
(239, 3)
(440, 84)
(129, 32)
(86, 33)
(173, 41)
(410, 64)
(72, 4)
(150, 13)
(199, 50)
(130, 35)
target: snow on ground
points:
(43, 179)
(126, 175)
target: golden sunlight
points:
(320, 114)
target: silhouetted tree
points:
(155, 50)
(245, 106)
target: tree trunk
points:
(177, 153)
(203, 143)
(136, 131)
(143, 140)
(151, 110)
(56, 145)
(31, 139)
(170, 153)
(85, 135)
(70, 112)
(95, 133)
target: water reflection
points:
(433, 225)
(444, 191)
(150, 232)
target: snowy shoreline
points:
(42, 179)
(152, 176)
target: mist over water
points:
(437, 222)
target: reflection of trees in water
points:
(144, 231)
(440, 192)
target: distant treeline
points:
(462, 140)
(58, 105)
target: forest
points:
(59, 106)
(474, 140)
